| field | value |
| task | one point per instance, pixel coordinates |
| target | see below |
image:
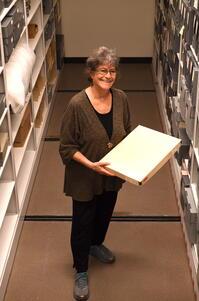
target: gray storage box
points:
(60, 50)
(2, 104)
(20, 18)
(176, 123)
(195, 31)
(13, 13)
(197, 187)
(1, 5)
(28, 7)
(188, 35)
(48, 31)
(18, 28)
(7, 3)
(185, 182)
(8, 47)
(194, 86)
(189, 120)
(190, 215)
(183, 152)
(183, 95)
(47, 6)
(7, 27)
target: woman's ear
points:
(89, 73)
(92, 73)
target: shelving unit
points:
(38, 24)
(176, 72)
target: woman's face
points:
(104, 76)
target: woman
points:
(96, 119)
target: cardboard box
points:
(39, 117)
(32, 30)
(4, 141)
(24, 128)
(38, 87)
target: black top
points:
(106, 119)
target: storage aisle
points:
(145, 232)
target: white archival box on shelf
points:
(141, 154)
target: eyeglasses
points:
(112, 72)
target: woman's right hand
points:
(95, 166)
(99, 167)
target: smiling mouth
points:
(106, 81)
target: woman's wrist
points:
(79, 157)
(90, 165)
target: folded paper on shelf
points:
(18, 73)
(141, 154)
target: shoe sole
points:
(103, 261)
(79, 298)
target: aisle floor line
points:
(128, 218)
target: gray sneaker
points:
(81, 291)
(102, 253)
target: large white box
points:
(141, 154)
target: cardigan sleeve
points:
(69, 134)
(127, 116)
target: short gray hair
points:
(100, 56)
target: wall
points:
(126, 25)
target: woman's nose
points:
(108, 74)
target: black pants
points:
(89, 226)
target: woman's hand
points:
(100, 168)
(95, 166)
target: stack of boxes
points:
(47, 6)
(49, 28)
(8, 36)
(28, 7)
(176, 64)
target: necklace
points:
(109, 145)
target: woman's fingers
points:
(103, 163)
(100, 168)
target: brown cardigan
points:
(82, 131)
